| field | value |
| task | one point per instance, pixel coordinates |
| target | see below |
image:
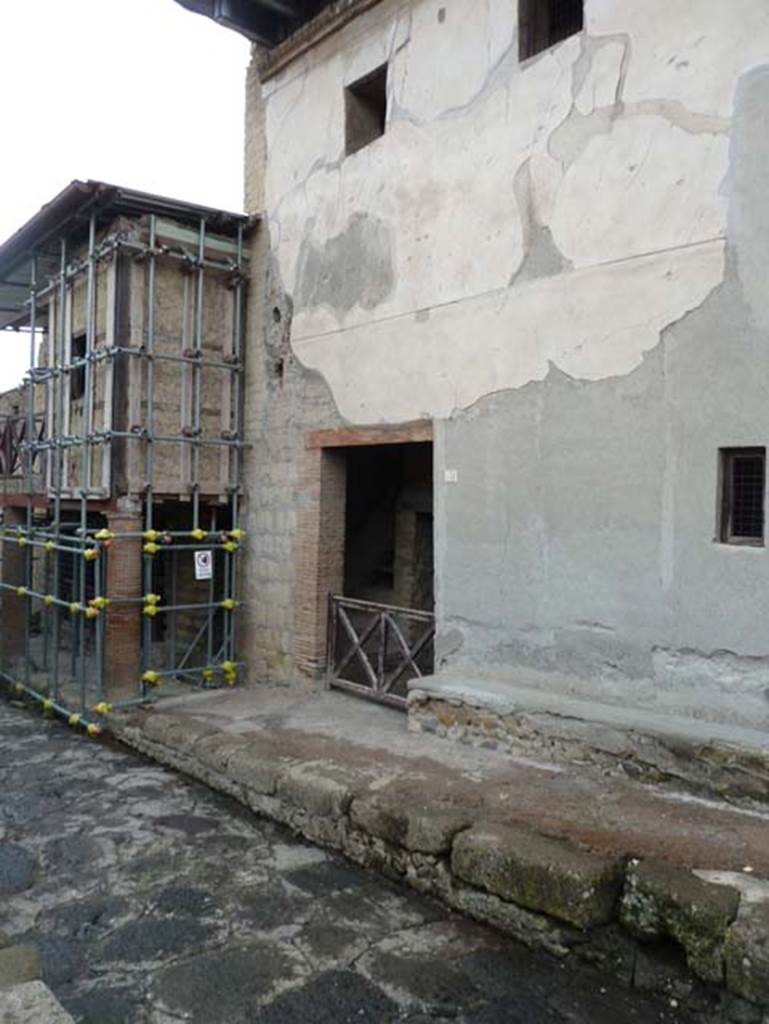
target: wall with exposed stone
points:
(558, 261)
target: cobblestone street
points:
(154, 901)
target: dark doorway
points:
(389, 525)
(381, 628)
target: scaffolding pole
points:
(65, 564)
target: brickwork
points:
(13, 572)
(123, 633)
(254, 152)
(319, 552)
(282, 480)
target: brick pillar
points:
(13, 607)
(122, 649)
(319, 552)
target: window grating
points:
(743, 472)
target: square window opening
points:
(77, 375)
(365, 104)
(543, 23)
(742, 479)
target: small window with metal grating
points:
(742, 484)
(543, 23)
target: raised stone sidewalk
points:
(567, 860)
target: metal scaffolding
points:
(59, 481)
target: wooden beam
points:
(416, 432)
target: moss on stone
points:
(538, 873)
(666, 899)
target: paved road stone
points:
(152, 900)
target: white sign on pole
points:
(204, 568)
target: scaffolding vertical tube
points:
(85, 452)
(150, 436)
(99, 584)
(197, 370)
(29, 563)
(56, 440)
(172, 613)
(236, 454)
(210, 611)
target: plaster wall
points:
(561, 210)
(560, 262)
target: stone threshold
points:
(570, 898)
(710, 759)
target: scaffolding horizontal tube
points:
(57, 545)
(101, 437)
(100, 355)
(49, 702)
(206, 606)
(179, 439)
(48, 599)
(197, 669)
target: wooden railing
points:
(374, 649)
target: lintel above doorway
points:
(348, 437)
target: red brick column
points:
(122, 649)
(319, 551)
(13, 607)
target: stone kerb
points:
(545, 892)
(712, 768)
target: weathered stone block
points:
(323, 790)
(161, 728)
(253, 771)
(533, 930)
(538, 873)
(666, 899)
(31, 1003)
(19, 964)
(746, 953)
(216, 750)
(190, 732)
(420, 828)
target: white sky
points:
(138, 93)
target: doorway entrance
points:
(381, 627)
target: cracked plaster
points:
(623, 132)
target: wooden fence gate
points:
(375, 649)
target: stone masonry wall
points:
(282, 478)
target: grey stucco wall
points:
(577, 549)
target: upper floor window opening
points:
(543, 23)
(365, 108)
